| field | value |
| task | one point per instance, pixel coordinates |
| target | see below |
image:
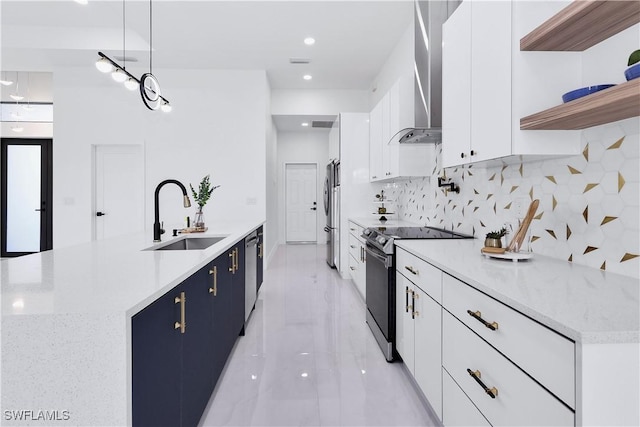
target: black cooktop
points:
(420, 233)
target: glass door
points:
(26, 196)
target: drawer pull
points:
(493, 392)
(411, 270)
(406, 299)
(352, 268)
(478, 316)
(413, 304)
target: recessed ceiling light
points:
(6, 82)
(82, 1)
(305, 124)
(17, 129)
(16, 97)
(309, 41)
(307, 77)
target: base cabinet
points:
(419, 325)
(181, 342)
(357, 258)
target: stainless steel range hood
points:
(429, 17)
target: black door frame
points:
(46, 192)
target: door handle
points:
(100, 213)
(314, 208)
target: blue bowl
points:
(583, 91)
(632, 72)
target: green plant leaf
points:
(634, 57)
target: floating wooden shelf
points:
(582, 24)
(616, 103)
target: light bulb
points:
(16, 97)
(119, 75)
(131, 84)
(309, 41)
(6, 82)
(104, 66)
(166, 107)
(307, 77)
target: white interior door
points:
(301, 204)
(119, 185)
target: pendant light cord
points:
(124, 38)
(150, 36)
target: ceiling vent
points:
(299, 60)
(322, 124)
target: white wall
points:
(272, 226)
(318, 102)
(303, 147)
(217, 129)
(399, 63)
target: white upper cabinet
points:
(488, 84)
(388, 159)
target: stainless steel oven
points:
(381, 278)
(380, 298)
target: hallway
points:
(309, 358)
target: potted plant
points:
(201, 197)
(493, 239)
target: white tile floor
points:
(308, 357)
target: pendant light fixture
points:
(148, 84)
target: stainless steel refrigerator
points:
(332, 211)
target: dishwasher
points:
(251, 270)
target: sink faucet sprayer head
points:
(187, 202)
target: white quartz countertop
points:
(66, 322)
(585, 304)
(374, 221)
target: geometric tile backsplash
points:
(589, 204)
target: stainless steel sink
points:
(189, 244)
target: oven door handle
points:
(382, 258)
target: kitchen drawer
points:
(355, 229)
(424, 275)
(457, 409)
(519, 400)
(356, 248)
(517, 336)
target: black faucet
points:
(157, 229)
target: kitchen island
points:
(66, 323)
(557, 343)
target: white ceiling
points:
(353, 38)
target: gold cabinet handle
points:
(232, 264)
(492, 392)
(411, 270)
(237, 265)
(260, 246)
(478, 316)
(406, 299)
(182, 324)
(214, 272)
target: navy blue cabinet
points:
(181, 342)
(156, 363)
